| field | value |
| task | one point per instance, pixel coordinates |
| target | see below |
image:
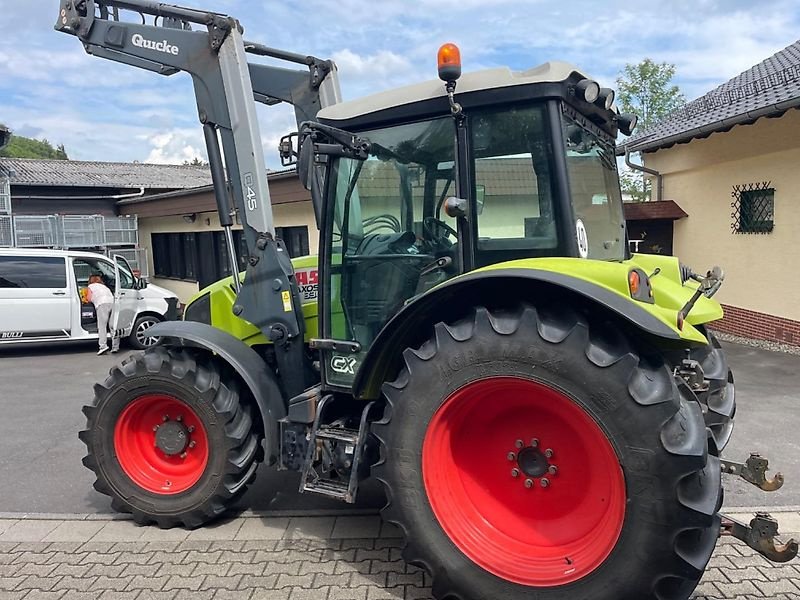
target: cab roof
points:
(487, 79)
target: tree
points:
(646, 89)
(22, 147)
(195, 162)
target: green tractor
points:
(545, 410)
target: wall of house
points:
(700, 177)
(299, 213)
(51, 200)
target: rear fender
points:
(251, 368)
(497, 287)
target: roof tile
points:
(749, 95)
(76, 173)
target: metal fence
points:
(5, 196)
(72, 231)
(37, 232)
(121, 231)
(6, 231)
(136, 257)
(81, 231)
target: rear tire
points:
(208, 450)
(588, 394)
(719, 400)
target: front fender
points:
(492, 286)
(250, 367)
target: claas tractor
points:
(544, 409)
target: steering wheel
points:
(438, 232)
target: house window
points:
(295, 239)
(753, 208)
(203, 256)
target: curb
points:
(245, 514)
(266, 514)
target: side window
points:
(513, 184)
(32, 272)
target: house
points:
(73, 204)
(731, 161)
(186, 244)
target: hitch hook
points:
(754, 471)
(760, 536)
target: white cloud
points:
(175, 147)
(103, 110)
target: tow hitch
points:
(763, 528)
(760, 536)
(754, 471)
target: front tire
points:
(138, 338)
(169, 439)
(630, 511)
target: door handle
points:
(60, 293)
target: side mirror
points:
(140, 284)
(305, 161)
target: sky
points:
(100, 110)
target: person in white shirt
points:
(103, 300)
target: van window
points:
(84, 267)
(32, 272)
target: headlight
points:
(199, 310)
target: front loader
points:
(545, 410)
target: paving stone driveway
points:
(312, 558)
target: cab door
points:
(126, 297)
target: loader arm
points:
(209, 46)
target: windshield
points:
(596, 198)
(390, 239)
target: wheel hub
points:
(172, 438)
(532, 462)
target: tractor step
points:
(334, 455)
(339, 434)
(339, 490)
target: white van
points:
(42, 297)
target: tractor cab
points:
(501, 166)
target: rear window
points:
(32, 272)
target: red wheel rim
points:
(141, 449)
(535, 536)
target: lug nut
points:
(183, 454)
(544, 482)
(155, 427)
(515, 472)
(190, 429)
(535, 443)
(529, 483)
(165, 418)
(192, 444)
(548, 453)
(512, 456)
(552, 469)
(519, 444)
(180, 418)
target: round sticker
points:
(583, 239)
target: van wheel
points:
(138, 337)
